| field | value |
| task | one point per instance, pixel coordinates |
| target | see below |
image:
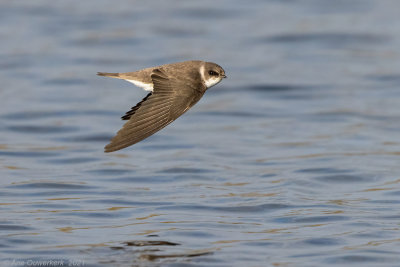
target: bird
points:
(173, 89)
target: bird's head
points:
(212, 74)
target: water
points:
(291, 161)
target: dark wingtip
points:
(130, 113)
(112, 147)
(107, 149)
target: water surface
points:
(291, 161)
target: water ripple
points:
(28, 154)
(185, 170)
(333, 39)
(34, 114)
(323, 241)
(14, 227)
(75, 160)
(239, 209)
(50, 185)
(312, 219)
(345, 178)
(38, 129)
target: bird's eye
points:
(213, 73)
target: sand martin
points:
(174, 88)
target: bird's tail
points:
(112, 75)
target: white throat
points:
(212, 81)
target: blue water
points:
(291, 161)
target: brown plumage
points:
(175, 89)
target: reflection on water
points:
(292, 161)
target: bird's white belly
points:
(145, 86)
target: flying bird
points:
(174, 88)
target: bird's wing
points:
(170, 99)
(129, 113)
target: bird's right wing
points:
(170, 99)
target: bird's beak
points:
(224, 76)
